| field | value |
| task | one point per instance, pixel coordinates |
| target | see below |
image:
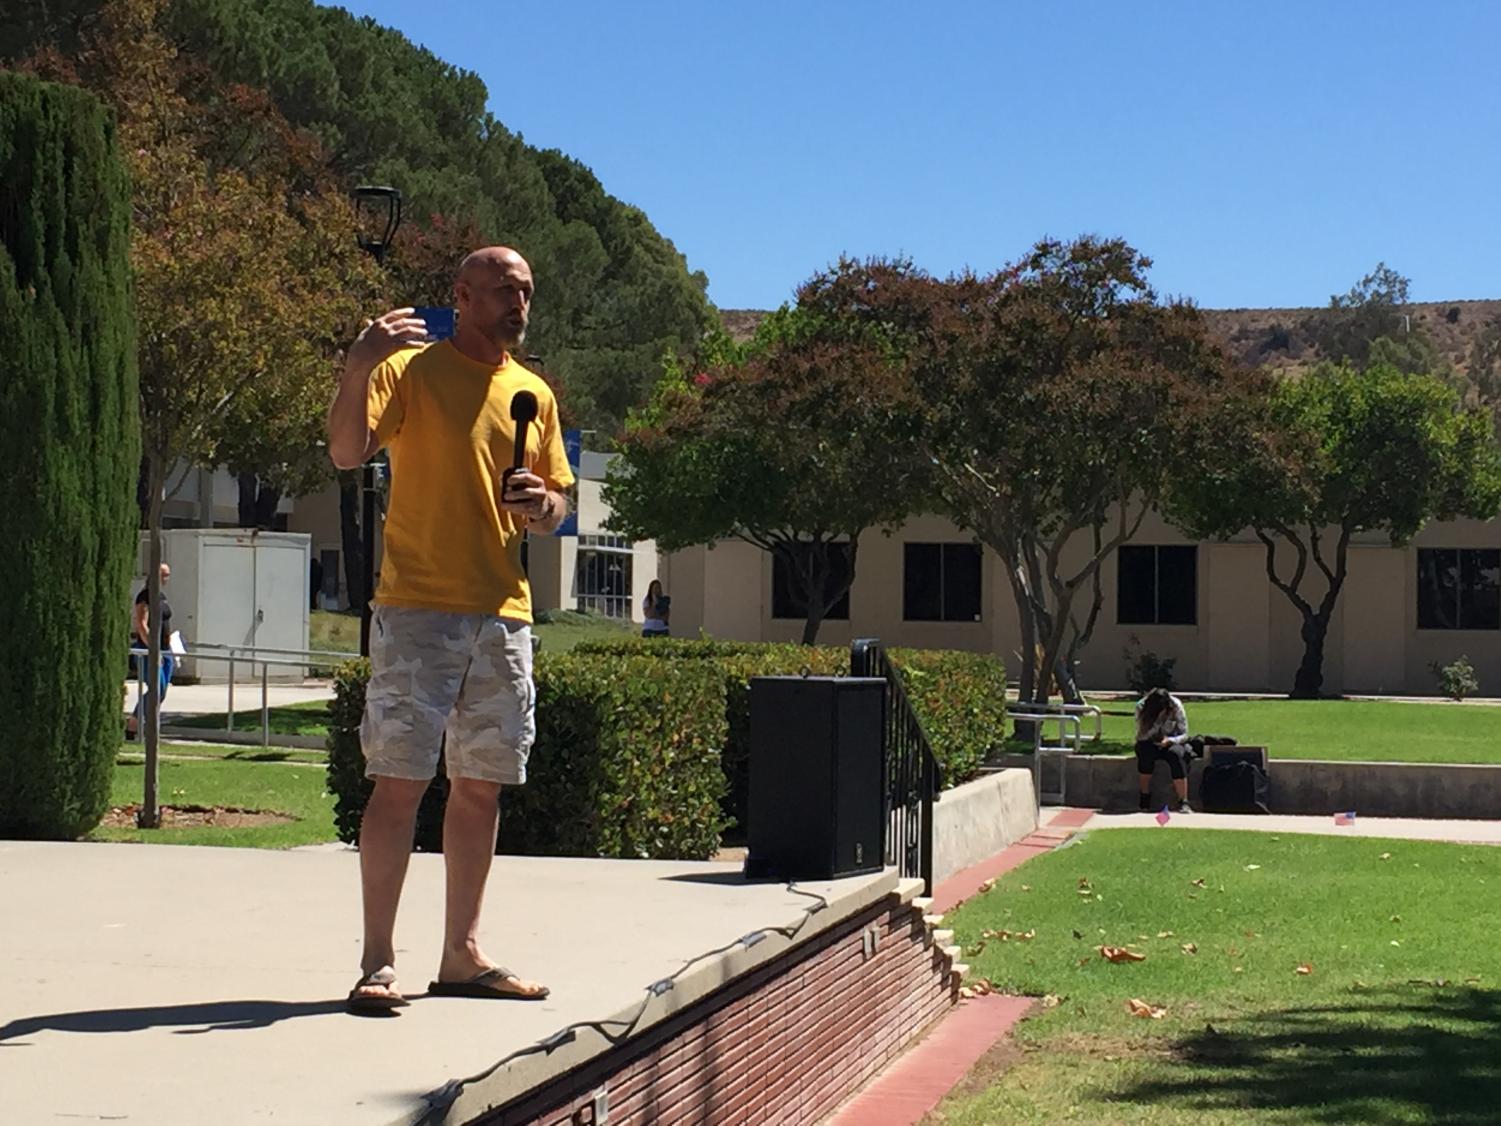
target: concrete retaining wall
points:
(1377, 789)
(975, 821)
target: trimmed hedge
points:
(959, 697)
(643, 748)
(68, 396)
(626, 762)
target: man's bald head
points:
(488, 258)
(493, 291)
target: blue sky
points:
(1263, 154)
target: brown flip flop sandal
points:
(496, 983)
(383, 1002)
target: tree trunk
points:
(1309, 680)
(349, 535)
(811, 624)
(150, 816)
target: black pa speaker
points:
(1235, 781)
(815, 808)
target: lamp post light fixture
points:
(378, 215)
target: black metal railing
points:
(913, 776)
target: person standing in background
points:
(655, 611)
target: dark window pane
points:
(961, 582)
(1438, 588)
(787, 599)
(1480, 589)
(1177, 586)
(1135, 586)
(922, 586)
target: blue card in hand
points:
(439, 320)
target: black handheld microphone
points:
(523, 414)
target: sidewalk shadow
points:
(1411, 1053)
(207, 1016)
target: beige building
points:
(1210, 606)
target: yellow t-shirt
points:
(447, 421)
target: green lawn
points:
(1352, 730)
(134, 752)
(297, 790)
(340, 633)
(309, 718)
(1398, 1020)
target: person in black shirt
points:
(140, 639)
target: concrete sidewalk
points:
(1396, 828)
(180, 986)
(213, 699)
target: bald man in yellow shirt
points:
(450, 641)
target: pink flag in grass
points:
(1163, 817)
(1345, 818)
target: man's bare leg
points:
(470, 824)
(385, 848)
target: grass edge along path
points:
(298, 790)
(1333, 730)
(1298, 978)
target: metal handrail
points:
(231, 658)
(1068, 709)
(1038, 718)
(913, 776)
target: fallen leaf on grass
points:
(1253, 867)
(1140, 1008)
(1304, 968)
(1199, 882)
(1189, 948)
(1083, 881)
(1118, 954)
(1396, 918)
(986, 886)
(1238, 970)
(1386, 856)
(1026, 936)
(1051, 1000)
(1165, 934)
(1026, 887)
(982, 987)
(1395, 942)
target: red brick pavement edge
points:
(962, 885)
(917, 1082)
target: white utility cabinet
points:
(233, 586)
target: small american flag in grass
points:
(1347, 818)
(1163, 817)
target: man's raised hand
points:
(388, 334)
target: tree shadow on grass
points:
(1401, 1054)
(207, 1016)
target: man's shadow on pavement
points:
(207, 1016)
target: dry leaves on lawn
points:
(1119, 954)
(1199, 882)
(1140, 1008)
(986, 886)
(1051, 1000)
(1189, 948)
(1304, 968)
(1253, 867)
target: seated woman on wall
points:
(1162, 736)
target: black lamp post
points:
(378, 213)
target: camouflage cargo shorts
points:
(466, 676)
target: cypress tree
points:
(68, 405)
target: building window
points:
(941, 582)
(786, 595)
(602, 575)
(1157, 586)
(1459, 588)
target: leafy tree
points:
(792, 444)
(1057, 396)
(612, 293)
(1367, 326)
(1327, 456)
(68, 388)
(245, 277)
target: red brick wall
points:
(784, 1044)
